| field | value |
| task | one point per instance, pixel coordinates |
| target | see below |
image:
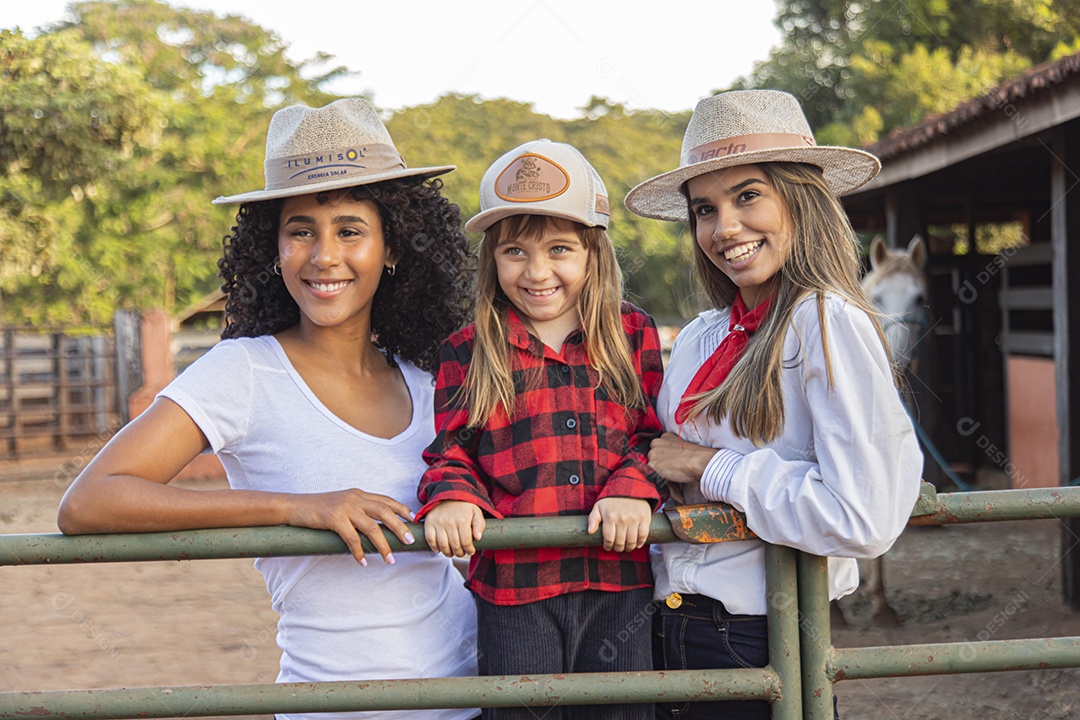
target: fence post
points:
(128, 360)
(13, 401)
(1064, 217)
(62, 426)
(98, 381)
(815, 636)
(782, 592)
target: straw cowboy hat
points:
(340, 145)
(745, 127)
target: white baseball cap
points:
(542, 178)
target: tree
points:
(68, 124)
(118, 128)
(155, 111)
(861, 69)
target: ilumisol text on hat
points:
(327, 158)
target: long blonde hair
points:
(489, 381)
(823, 257)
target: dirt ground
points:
(209, 621)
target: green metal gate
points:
(798, 681)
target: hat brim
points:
(482, 221)
(335, 184)
(661, 197)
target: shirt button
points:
(574, 479)
(565, 369)
(571, 423)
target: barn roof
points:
(1032, 81)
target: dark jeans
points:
(589, 631)
(700, 635)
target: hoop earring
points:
(277, 266)
(392, 270)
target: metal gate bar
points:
(778, 683)
(781, 589)
(991, 505)
(280, 541)
(798, 682)
(463, 692)
(815, 635)
(824, 664)
(953, 658)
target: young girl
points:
(319, 403)
(781, 400)
(545, 406)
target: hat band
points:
(745, 143)
(343, 163)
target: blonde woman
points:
(780, 400)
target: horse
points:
(896, 285)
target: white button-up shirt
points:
(839, 481)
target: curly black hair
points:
(427, 298)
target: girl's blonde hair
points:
(823, 256)
(489, 382)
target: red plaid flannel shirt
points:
(567, 446)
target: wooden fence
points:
(56, 386)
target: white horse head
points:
(896, 284)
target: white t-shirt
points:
(338, 620)
(840, 481)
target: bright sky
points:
(554, 54)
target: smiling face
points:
(543, 276)
(742, 226)
(332, 258)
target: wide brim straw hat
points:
(340, 145)
(745, 127)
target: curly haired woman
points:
(342, 278)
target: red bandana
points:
(715, 369)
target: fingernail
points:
(363, 561)
(390, 558)
(409, 539)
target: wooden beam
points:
(1033, 298)
(902, 218)
(1065, 240)
(1028, 343)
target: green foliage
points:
(69, 126)
(118, 128)
(863, 68)
(116, 131)
(990, 238)
(195, 54)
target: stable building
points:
(994, 187)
